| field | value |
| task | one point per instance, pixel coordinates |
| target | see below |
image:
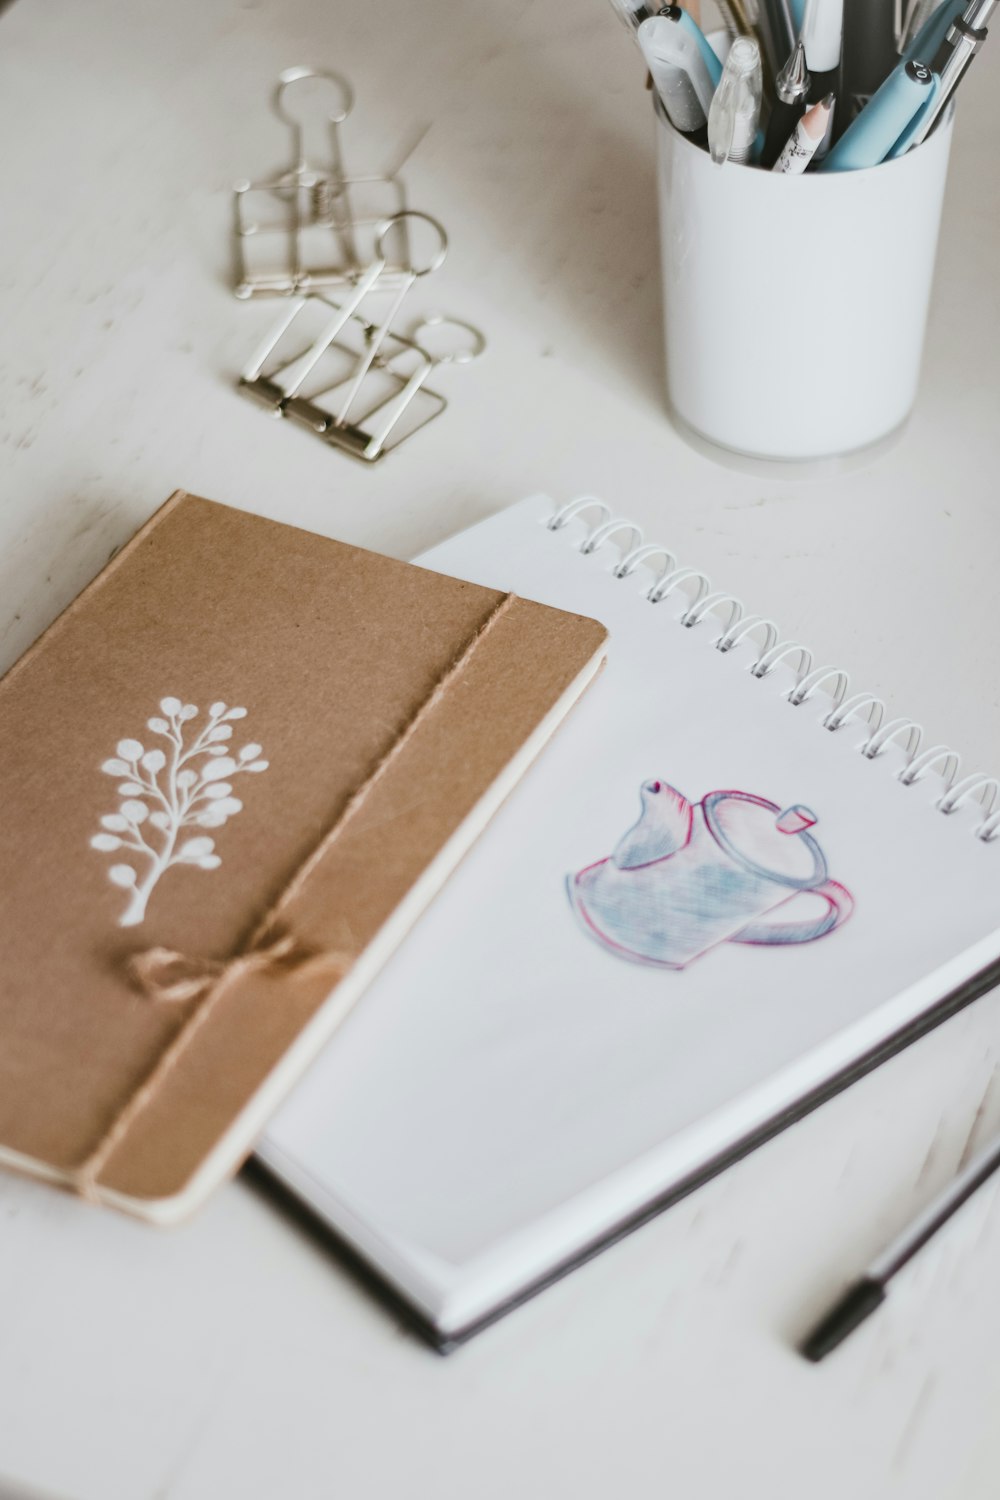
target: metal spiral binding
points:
(669, 575)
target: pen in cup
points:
(783, 23)
(632, 13)
(964, 37)
(772, 28)
(869, 138)
(678, 71)
(869, 54)
(687, 23)
(791, 88)
(735, 109)
(846, 39)
(635, 13)
(925, 41)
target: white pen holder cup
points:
(795, 307)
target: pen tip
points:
(793, 79)
(858, 1302)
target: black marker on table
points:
(791, 88)
(869, 1291)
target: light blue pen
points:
(690, 25)
(933, 32)
(889, 113)
(634, 12)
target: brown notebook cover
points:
(232, 774)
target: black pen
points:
(791, 88)
(869, 1291)
(869, 54)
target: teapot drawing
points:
(687, 876)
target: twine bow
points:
(164, 974)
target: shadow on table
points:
(267, 1189)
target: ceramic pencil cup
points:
(795, 307)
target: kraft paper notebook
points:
(727, 891)
(232, 774)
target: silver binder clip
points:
(312, 225)
(470, 343)
(353, 381)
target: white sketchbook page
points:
(505, 1063)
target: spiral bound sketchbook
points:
(730, 889)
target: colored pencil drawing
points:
(688, 876)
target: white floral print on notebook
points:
(182, 783)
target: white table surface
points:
(235, 1356)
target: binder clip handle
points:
(402, 220)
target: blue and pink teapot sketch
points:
(731, 868)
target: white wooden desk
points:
(235, 1357)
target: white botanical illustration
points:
(166, 791)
